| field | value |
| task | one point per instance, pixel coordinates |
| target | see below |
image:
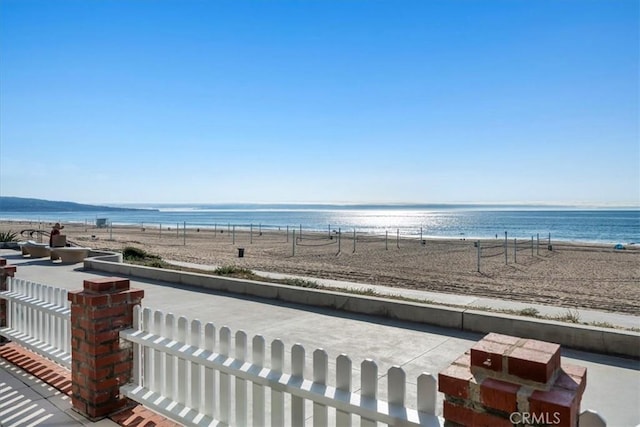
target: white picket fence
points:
(185, 371)
(182, 371)
(38, 318)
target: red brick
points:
(123, 368)
(8, 270)
(79, 404)
(98, 285)
(500, 395)
(488, 355)
(120, 297)
(454, 381)
(100, 325)
(578, 374)
(502, 339)
(106, 285)
(110, 312)
(97, 300)
(101, 363)
(464, 360)
(84, 323)
(121, 284)
(76, 297)
(457, 414)
(99, 350)
(112, 359)
(77, 311)
(135, 295)
(559, 405)
(102, 337)
(567, 382)
(103, 397)
(84, 393)
(122, 322)
(542, 346)
(99, 374)
(106, 385)
(531, 365)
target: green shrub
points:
(8, 236)
(301, 283)
(572, 316)
(131, 253)
(155, 264)
(232, 270)
(529, 311)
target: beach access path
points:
(613, 384)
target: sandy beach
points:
(570, 275)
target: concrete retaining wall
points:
(589, 338)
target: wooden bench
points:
(70, 254)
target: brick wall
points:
(507, 381)
(101, 362)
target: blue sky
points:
(320, 101)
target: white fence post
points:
(258, 346)
(343, 385)
(297, 371)
(170, 379)
(210, 393)
(195, 340)
(241, 384)
(158, 357)
(320, 373)
(590, 418)
(277, 397)
(427, 395)
(369, 389)
(225, 381)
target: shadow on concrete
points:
(43, 262)
(12, 256)
(620, 362)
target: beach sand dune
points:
(570, 275)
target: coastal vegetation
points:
(8, 236)
(139, 256)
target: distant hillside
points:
(19, 204)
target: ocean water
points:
(440, 221)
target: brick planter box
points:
(509, 381)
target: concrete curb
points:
(582, 337)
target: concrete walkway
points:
(613, 384)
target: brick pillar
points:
(5, 271)
(510, 381)
(101, 362)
